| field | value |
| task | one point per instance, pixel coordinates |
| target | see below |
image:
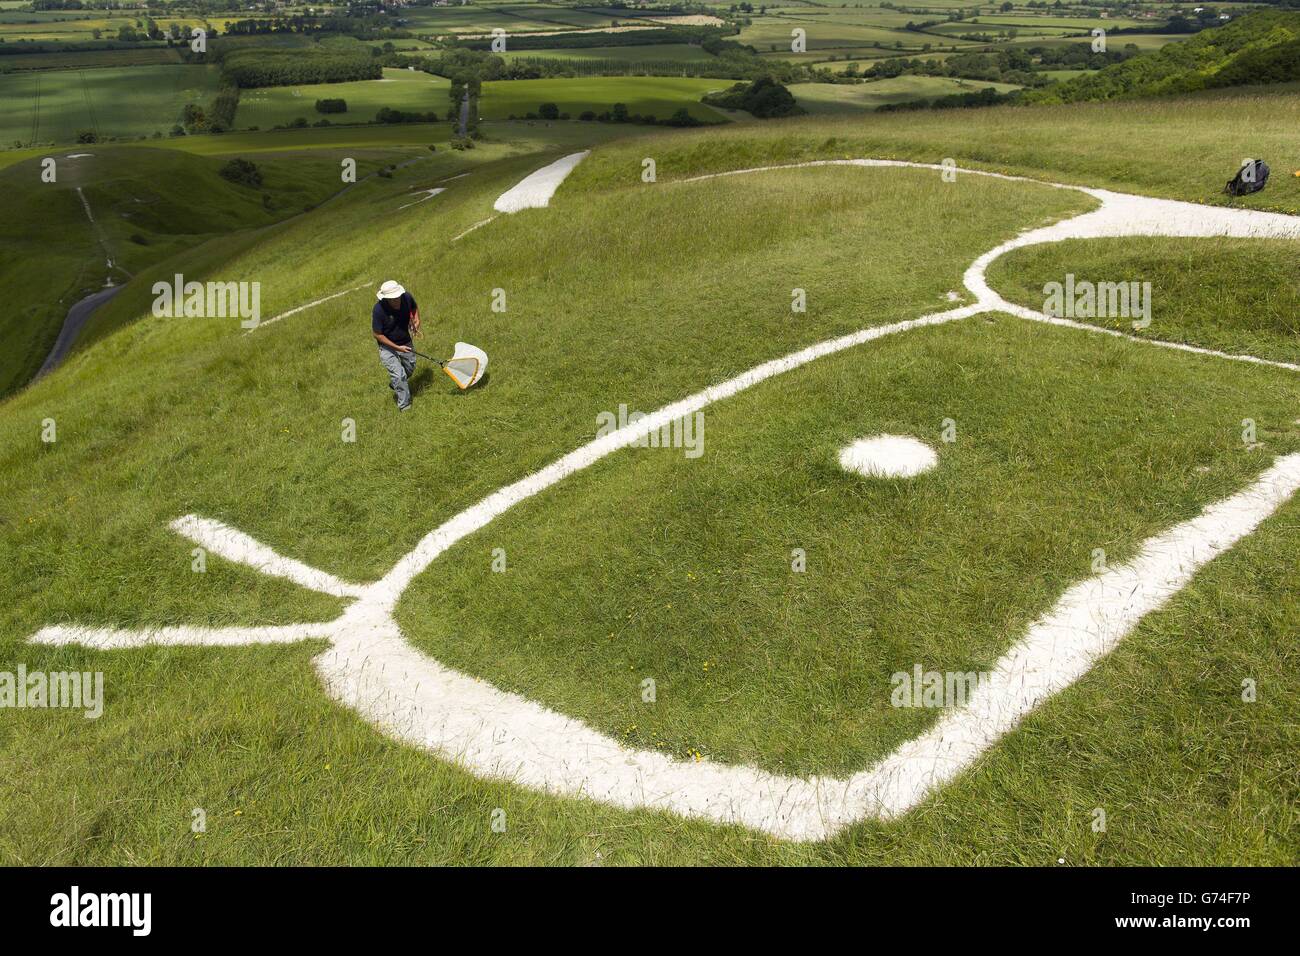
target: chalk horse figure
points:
(371, 668)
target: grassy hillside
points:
(1063, 143)
(147, 205)
(1232, 296)
(1260, 47)
(650, 563)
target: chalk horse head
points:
(370, 667)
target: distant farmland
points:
(54, 106)
(399, 90)
(854, 98)
(659, 96)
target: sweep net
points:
(467, 366)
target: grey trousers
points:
(399, 366)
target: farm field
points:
(1143, 41)
(659, 96)
(773, 34)
(91, 59)
(658, 52)
(854, 98)
(120, 102)
(81, 26)
(515, 18)
(409, 90)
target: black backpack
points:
(1249, 179)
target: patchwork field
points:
(515, 18)
(854, 98)
(683, 52)
(412, 91)
(90, 59)
(120, 102)
(769, 596)
(659, 96)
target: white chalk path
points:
(535, 190)
(478, 225)
(305, 306)
(372, 668)
(425, 195)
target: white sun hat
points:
(390, 290)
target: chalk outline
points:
(371, 668)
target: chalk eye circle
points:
(888, 456)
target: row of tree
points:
(261, 66)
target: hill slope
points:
(1261, 47)
(652, 563)
(147, 205)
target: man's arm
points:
(382, 339)
(414, 324)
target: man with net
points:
(393, 320)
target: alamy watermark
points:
(686, 432)
(210, 300)
(1098, 300)
(922, 688)
(133, 911)
(78, 690)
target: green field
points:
(773, 34)
(659, 96)
(513, 17)
(683, 52)
(417, 91)
(409, 90)
(854, 98)
(90, 59)
(1143, 41)
(80, 26)
(55, 107)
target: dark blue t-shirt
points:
(394, 324)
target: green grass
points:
(148, 204)
(660, 96)
(1235, 296)
(53, 107)
(650, 564)
(89, 59)
(415, 137)
(854, 98)
(508, 149)
(1060, 143)
(412, 91)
